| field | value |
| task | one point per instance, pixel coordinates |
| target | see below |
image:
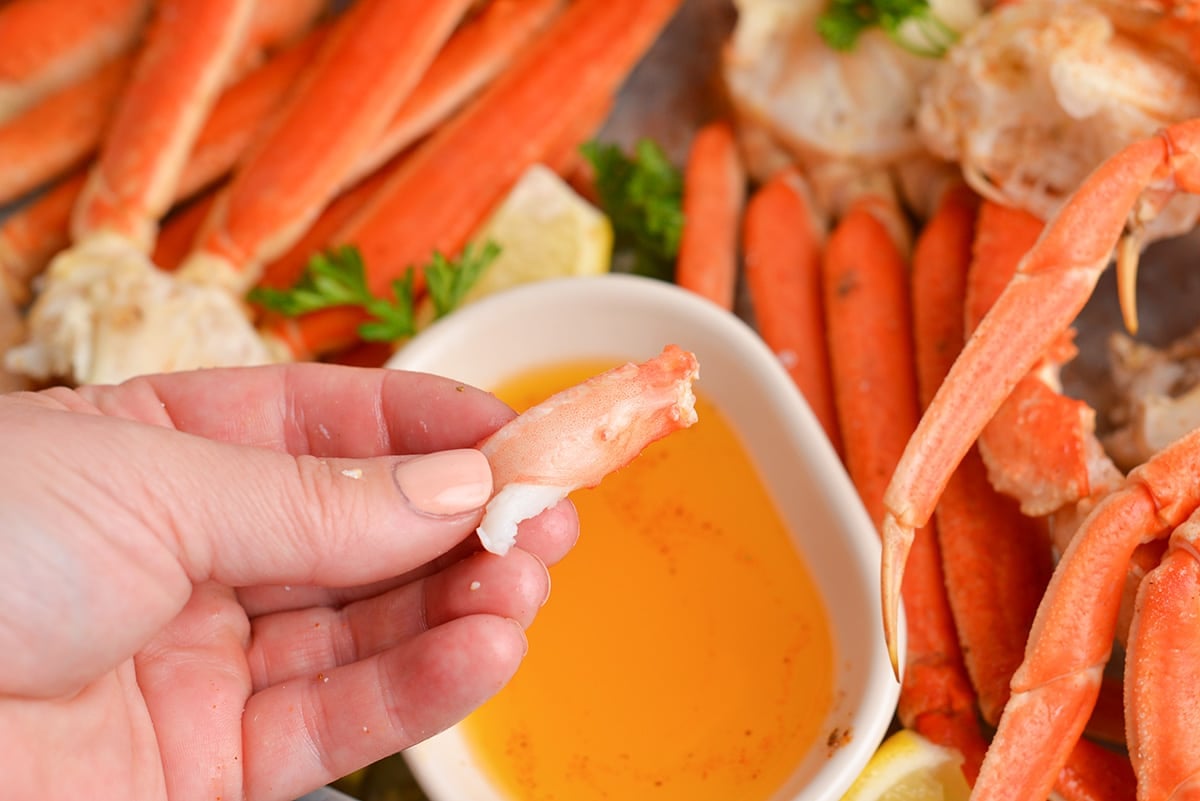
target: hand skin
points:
(201, 597)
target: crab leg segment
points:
(1163, 670)
(63, 129)
(1053, 282)
(865, 277)
(187, 57)
(782, 237)
(989, 549)
(30, 237)
(1040, 447)
(59, 131)
(714, 195)
(49, 44)
(374, 58)
(436, 199)
(472, 57)
(1055, 689)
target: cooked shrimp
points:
(578, 436)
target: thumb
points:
(266, 517)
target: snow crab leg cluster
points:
(990, 148)
(1056, 686)
(291, 114)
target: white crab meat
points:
(822, 104)
(106, 314)
(1038, 93)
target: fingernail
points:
(543, 564)
(447, 482)
(524, 637)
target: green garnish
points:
(449, 281)
(643, 198)
(338, 277)
(844, 21)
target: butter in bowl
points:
(715, 633)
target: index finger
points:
(314, 409)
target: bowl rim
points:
(589, 295)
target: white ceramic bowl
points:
(625, 317)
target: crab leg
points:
(49, 44)
(867, 300)
(58, 132)
(782, 237)
(476, 53)
(331, 331)
(30, 237)
(1040, 447)
(83, 324)
(284, 271)
(373, 60)
(1055, 689)
(472, 57)
(436, 199)
(989, 548)
(187, 57)
(714, 193)
(1052, 285)
(1161, 672)
(12, 331)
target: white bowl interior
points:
(630, 318)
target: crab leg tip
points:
(1127, 268)
(897, 539)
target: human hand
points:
(225, 584)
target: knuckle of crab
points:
(1038, 93)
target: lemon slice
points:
(545, 229)
(908, 767)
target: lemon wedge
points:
(908, 767)
(545, 229)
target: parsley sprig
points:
(642, 195)
(338, 277)
(844, 21)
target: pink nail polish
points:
(446, 482)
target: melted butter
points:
(684, 652)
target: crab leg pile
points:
(1023, 192)
(291, 130)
